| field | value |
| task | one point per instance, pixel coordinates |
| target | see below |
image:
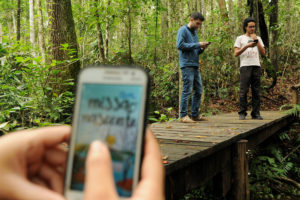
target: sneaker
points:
(186, 119)
(199, 118)
(242, 116)
(257, 117)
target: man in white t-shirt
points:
(248, 47)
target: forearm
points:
(261, 49)
(188, 46)
(238, 51)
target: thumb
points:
(99, 182)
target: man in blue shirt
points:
(189, 49)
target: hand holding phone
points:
(111, 107)
(100, 182)
(205, 44)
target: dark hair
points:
(197, 16)
(246, 21)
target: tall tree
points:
(62, 31)
(108, 21)
(129, 30)
(31, 22)
(1, 33)
(41, 30)
(222, 5)
(274, 51)
(99, 33)
(19, 20)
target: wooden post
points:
(295, 94)
(240, 187)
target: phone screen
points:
(109, 113)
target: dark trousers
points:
(250, 75)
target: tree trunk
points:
(41, 30)
(181, 13)
(107, 32)
(203, 8)
(62, 31)
(212, 10)
(1, 34)
(99, 34)
(19, 20)
(31, 23)
(130, 60)
(156, 26)
(262, 25)
(274, 52)
(222, 5)
(14, 21)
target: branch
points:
(291, 153)
(288, 180)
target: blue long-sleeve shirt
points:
(188, 47)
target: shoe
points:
(242, 116)
(186, 119)
(199, 118)
(257, 117)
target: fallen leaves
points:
(200, 136)
(164, 158)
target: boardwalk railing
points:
(296, 94)
(213, 150)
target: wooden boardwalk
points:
(195, 153)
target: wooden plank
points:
(194, 160)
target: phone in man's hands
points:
(111, 107)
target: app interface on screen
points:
(109, 113)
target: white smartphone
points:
(110, 106)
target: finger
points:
(51, 136)
(39, 181)
(99, 182)
(56, 156)
(52, 177)
(28, 190)
(152, 180)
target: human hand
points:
(252, 44)
(32, 163)
(204, 45)
(254, 36)
(99, 182)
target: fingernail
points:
(97, 146)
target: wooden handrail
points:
(295, 87)
(295, 93)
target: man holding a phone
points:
(248, 47)
(189, 49)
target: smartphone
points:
(110, 106)
(256, 40)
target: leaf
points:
(165, 157)
(3, 125)
(168, 126)
(200, 136)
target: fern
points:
(294, 109)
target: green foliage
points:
(293, 109)
(27, 95)
(161, 117)
(269, 165)
(203, 193)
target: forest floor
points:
(270, 100)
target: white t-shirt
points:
(250, 57)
